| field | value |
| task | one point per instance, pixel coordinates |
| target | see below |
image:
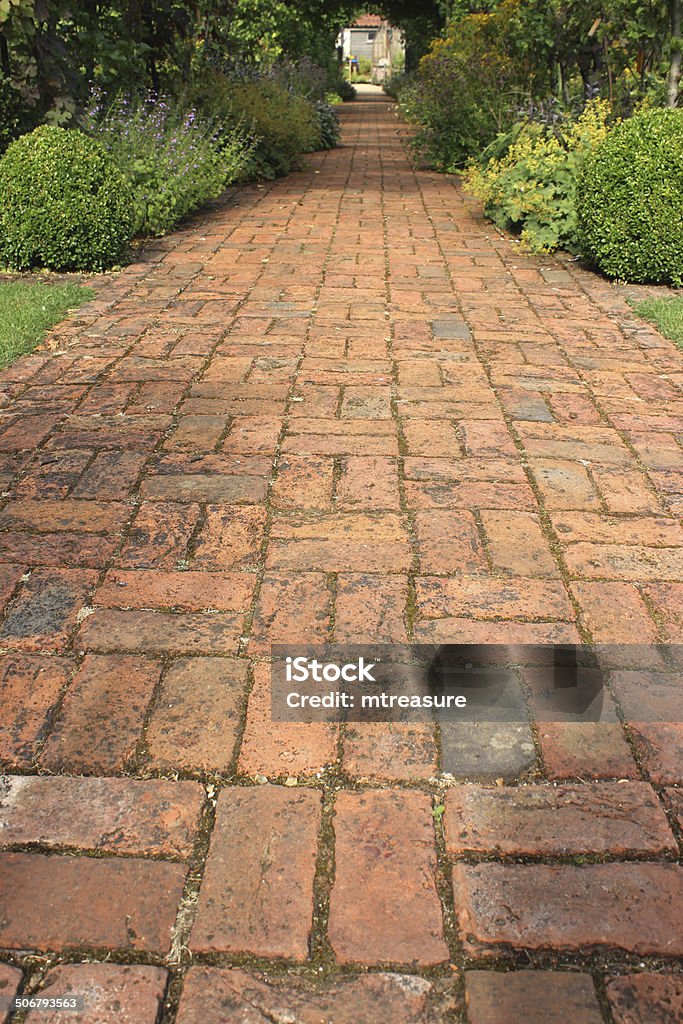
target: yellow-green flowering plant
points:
(527, 178)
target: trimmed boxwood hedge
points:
(630, 200)
(64, 204)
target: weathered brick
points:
(342, 542)
(449, 542)
(660, 749)
(230, 538)
(520, 404)
(213, 995)
(257, 893)
(197, 716)
(64, 550)
(61, 903)
(114, 993)
(111, 476)
(629, 907)
(602, 818)
(10, 980)
(159, 536)
(626, 491)
(491, 598)
(202, 487)
(384, 906)
(46, 609)
(10, 575)
(30, 686)
(589, 443)
(667, 599)
(196, 433)
(469, 494)
(614, 613)
(370, 609)
(102, 715)
(517, 545)
(646, 998)
(366, 403)
(486, 750)
(27, 432)
(291, 748)
(564, 485)
(107, 431)
(368, 483)
(649, 531)
(303, 482)
(430, 437)
(586, 750)
(292, 608)
(189, 591)
(674, 801)
(486, 437)
(390, 751)
(250, 434)
(451, 629)
(116, 815)
(535, 997)
(70, 514)
(161, 632)
(54, 474)
(625, 561)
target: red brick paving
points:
(535, 997)
(113, 993)
(330, 410)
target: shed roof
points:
(367, 21)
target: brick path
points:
(340, 406)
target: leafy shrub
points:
(466, 90)
(303, 77)
(527, 177)
(283, 124)
(174, 160)
(16, 117)
(345, 90)
(329, 129)
(396, 85)
(630, 200)
(65, 204)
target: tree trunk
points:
(674, 78)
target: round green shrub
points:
(64, 204)
(630, 200)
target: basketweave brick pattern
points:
(342, 407)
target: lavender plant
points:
(174, 159)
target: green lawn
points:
(665, 314)
(27, 311)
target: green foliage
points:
(16, 116)
(27, 311)
(282, 124)
(397, 85)
(66, 205)
(467, 89)
(345, 90)
(630, 200)
(527, 177)
(54, 50)
(328, 126)
(665, 314)
(173, 159)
